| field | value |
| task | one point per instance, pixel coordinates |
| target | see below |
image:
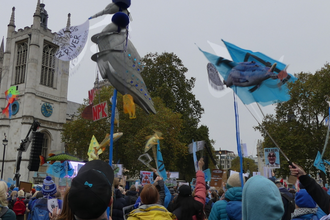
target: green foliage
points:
(78, 133)
(248, 164)
(301, 136)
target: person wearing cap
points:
(187, 207)
(261, 199)
(151, 209)
(48, 190)
(305, 206)
(287, 197)
(231, 207)
(321, 197)
(91, 191)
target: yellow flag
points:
(93, 149)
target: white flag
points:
(71, 43)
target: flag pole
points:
(112, 127)
(113, 111)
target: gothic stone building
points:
(28, 62)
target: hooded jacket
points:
(261, 199)
(151, 212)
(219, 212)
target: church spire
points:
(68, 23)
(12, 18)
(37, 12)
(2, 50)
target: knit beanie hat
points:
(234, 181)
(304, 200)
(48, 187)
(15, 189)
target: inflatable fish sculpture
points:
(118, 60)
(152, 140)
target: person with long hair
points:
(5, 212)
(66, 213)
(150, 208)
(187, 207)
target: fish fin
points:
(273, 67)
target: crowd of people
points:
(95, 190)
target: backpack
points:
(19, 207)
(40, 210)
(291, 204)
(11, 203)
(208, 207)
(3, 211)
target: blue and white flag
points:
(195, 156)
(60, 170)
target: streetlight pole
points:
(4, 142)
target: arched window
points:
(21, 57)
(45, 144)
(48, 65)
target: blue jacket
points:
(138, 203)
(168, 196)
(219, 209)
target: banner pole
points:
(113, 111)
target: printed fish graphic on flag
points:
(253, 76)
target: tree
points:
(298, 126)
(165, 77)
(248, 164)
(78, 133)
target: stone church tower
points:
(28, 62)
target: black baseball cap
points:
(90, 192)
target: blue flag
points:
(160, 162)
(60, 170)
(207, 174)
(318, 163)
(268, 91)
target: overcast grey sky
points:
(296, 29)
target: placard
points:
(146, 177)
(272, 157)
(216, 178)
(25, 186)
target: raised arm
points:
(313, 189)
(200, 195)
